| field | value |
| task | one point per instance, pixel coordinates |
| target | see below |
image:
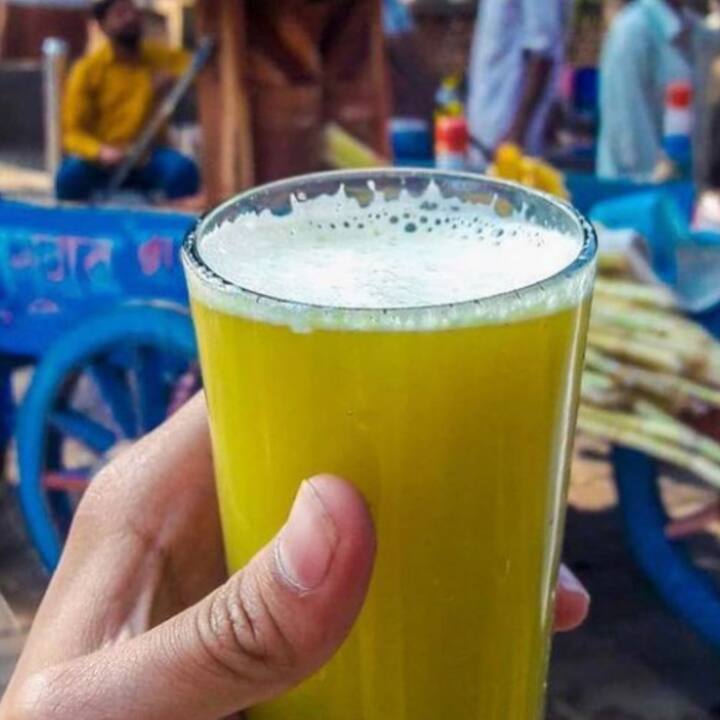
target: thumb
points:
(271, 625)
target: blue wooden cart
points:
(95, 301)
(661, 216)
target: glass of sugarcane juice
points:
(420, 334)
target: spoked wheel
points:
(101, 386)
(680, 554)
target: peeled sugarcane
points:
(650, 295)
(599, 389)
(620, 313)
(615, 263)
(675, 353)
(660, 426)
(342, 150)
(704, 468)
(659, 328)
(649, 409)
(644, 353)
(648, 369)
(673, 388)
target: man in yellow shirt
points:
(109, 96)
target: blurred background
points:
(573, 98)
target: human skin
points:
(141, 621)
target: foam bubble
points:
(345, 254)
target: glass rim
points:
(217, 283)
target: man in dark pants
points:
(109, 97)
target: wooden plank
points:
(23, 27)
(209, 102)
(280, 73)
(237, 159)
(3, 25)
(356, 79)
(380, 80)
(228, 159)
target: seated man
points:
(109, 97)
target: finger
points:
(122, 541)
(572, 602)
(174, 462)
(270, 626)
(158, 499)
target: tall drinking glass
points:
(421, 334)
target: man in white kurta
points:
(518, 50)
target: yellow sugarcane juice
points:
(419, 334)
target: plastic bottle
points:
(448, 98)
(451, 142)
(678, 126)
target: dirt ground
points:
(20, 177)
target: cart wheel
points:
(107, 382)
(688, 590)
(6, 414)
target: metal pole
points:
(55, 55)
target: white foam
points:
(406, 254)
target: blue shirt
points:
(396, 18)
(648, 46)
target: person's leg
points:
(170, 171)
(77, 179)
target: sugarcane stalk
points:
(662, 427)
(644, 355)
(649, 426)
(599, 389)
(634, 317)
(652, 295)
(592, 379)
(707, 445)
(661, 449)
(630, 349)
(651, 410)
(662, 321)
(667, 328)
(678, 343)
(343, 150)
(668, 387)
(676, 353)
(616, 263)
(603, 398)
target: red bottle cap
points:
(679, 95)
(451, 134)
